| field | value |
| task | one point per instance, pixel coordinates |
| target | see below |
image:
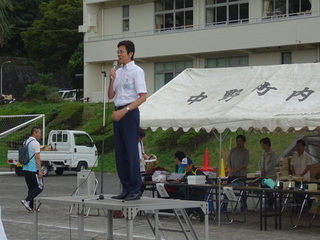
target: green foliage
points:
(41, 93)
(166, 139)
(70, 117)
(51, 40)
(88, 117)
(76, 61)
(20, 18)
(192, 139)
(5, 29)
(46, 78)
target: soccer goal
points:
(14, 129)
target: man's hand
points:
(117, 115)
(40, 174)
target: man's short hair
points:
(241, 137)
(142, 133)
(35, 129)
(179, 155)
(301, 141)
(129, 46)
(266, 140)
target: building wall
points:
(262, 41)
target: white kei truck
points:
(66, 150)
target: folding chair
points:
(316, 209)
(290, 201)
(235, 199)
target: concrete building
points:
(171, 35)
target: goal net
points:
(14, 129)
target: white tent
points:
(259, 97)
(264, 98)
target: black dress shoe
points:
(122, 195)
(132, 197)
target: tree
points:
(5, 6)
(21, 18)
(76, 61)
(51, 40)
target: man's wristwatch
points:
(128, 108)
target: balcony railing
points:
(271, 17)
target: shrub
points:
(70, 117)
(191, 139)
(41, 93)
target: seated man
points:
(189, 169)
(194, 193)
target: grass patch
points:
(89, 117)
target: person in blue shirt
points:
(178, 156)
(32, 171)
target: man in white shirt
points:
(301, 161)
(127, 85)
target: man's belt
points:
(120, 107)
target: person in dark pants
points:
(127, 85)
(32, 170)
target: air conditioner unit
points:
(83, 28)
(86, 183)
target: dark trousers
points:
(126, 134)
(35, 186)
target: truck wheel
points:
(18, 171)
(45, 169)
(81, 166)
(59, 171)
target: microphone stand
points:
(103, 131)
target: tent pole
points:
(220, 139)
(219, 180)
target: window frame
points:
(125, 18)
(174, 71)
(286, 8)
(228, 61)
(173, 16)
(221, 12)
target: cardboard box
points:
(315, 171)
(196, 179)
(46, 148)
(311, 187)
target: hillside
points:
(163, 144)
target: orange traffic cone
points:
(206, 162)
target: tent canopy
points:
(265, 98)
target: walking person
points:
(127, 85)
(32, 171)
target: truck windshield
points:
(82, 140)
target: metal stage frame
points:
(130, 210)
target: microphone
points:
(115, 64)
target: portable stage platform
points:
(130, 210)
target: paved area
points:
(55, 223)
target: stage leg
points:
(110, 225)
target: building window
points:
(286, 58)
(173, 14)
(125, 18)
(165, 72)
(228, 62)
(280, 8)
(226, 11)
